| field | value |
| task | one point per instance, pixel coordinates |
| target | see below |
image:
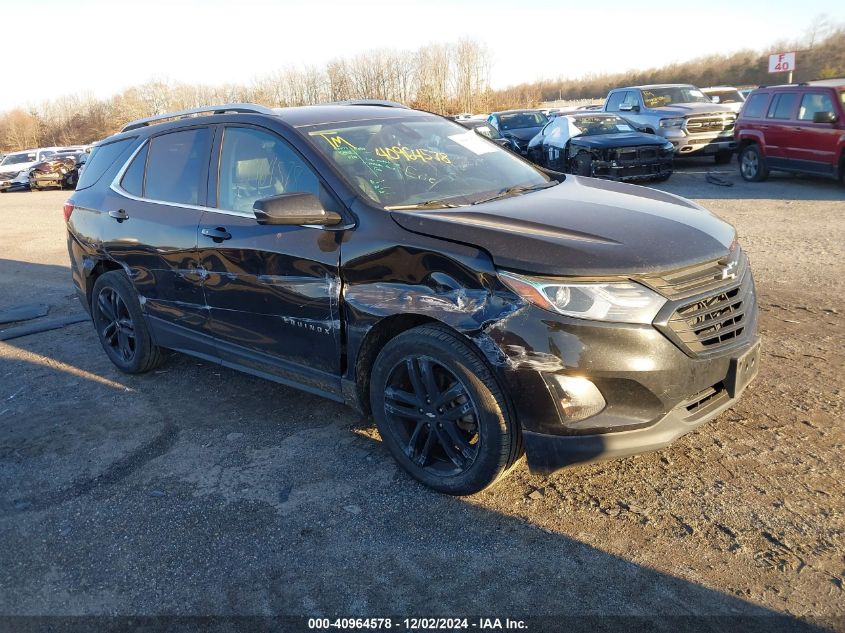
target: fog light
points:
(577, 397)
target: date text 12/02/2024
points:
(417, 624)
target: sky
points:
(115, 44)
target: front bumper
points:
(633, 172)
(687, 144)
(654, 391)
(47, 180)
(547, 453)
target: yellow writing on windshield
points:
(405, 153)
(334, 139)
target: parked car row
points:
(638, 130)
(46, 167)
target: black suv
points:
(393, 260)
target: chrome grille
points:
(717, 320)
(699, 278)
(710, 124)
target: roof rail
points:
(181, 114)
(384, 103)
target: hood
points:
(583, 227)
(623, 139)
(522, 133)
(17, 168)
(54, 165)
(690, 109)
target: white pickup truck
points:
(680, 113)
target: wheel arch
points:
(98, 268)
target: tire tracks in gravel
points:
(116, 472)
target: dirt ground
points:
(195, 490)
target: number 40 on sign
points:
(781, 62)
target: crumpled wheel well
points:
(102, 266)
(373, 342)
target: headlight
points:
(668, 146)
(671, 122)
(620, 302)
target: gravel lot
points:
(196, 490)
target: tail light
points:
(68, 209)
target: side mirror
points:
(293, 208)
(629, 107)
(502, 141)
(824, 117)
(715, 99)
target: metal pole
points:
(789, 81)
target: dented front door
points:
(273, 294)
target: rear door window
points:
(755, 107)
(175, 164)
(813, 102)
(783, 105)
(102, 157)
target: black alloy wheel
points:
(441, 412)
(433, 416)
(117, 330)
(121, 326)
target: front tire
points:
(120, 324)
(583, 164)
(441, 412)
(752, 164)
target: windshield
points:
(726, 96)
(657, 97)
(589, 125)
(415, 160)
(519, 120)
(14, 159)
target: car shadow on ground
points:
(196, 490)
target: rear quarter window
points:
(755, 107)
(103, 157)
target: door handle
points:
(120, 215)
(218, 235)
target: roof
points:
(719, 88)
(302, 116)
(650, 86)
(517, 111)
(337, 112)
(831, 83)
(821, 83)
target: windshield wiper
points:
(428, 204)
(510, 191)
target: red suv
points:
(795, 127)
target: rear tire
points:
(723, 158)
(120, 324)
(752, 164)
(441, 412)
